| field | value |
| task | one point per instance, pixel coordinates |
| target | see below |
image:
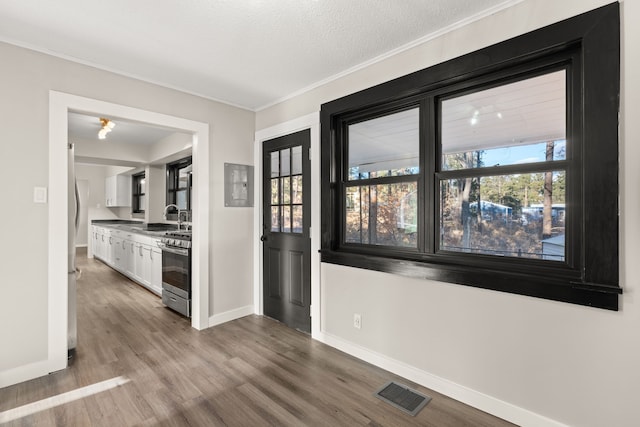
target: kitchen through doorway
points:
(61, 105)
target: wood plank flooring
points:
(249, 372)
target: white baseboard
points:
(24, 373)
(486, 403)
(230, 315)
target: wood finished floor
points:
(249, 372)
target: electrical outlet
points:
(357, 321)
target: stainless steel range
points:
(176, 271)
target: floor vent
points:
(403, 398)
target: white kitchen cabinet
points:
(94, 241)
(156, 269)
(143, 260)
(119, 254)
(100, 249)
(138, 263)
(136, 256)
(117, 191)
(130, 251)
(110, 248)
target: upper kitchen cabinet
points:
(118, 191)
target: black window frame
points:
(173, 179)
(588, 47)
(136, 192)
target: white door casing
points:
(312, 122)
(59, 106)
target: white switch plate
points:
(39, 194)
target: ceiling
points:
(248, 53)
(85, 127)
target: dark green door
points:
(285, 237)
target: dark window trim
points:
(172, 187)
(591, 276)
(135, 192)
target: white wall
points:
(156, 193)
(26, 77)
(538, 362)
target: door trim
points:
(312, 122)
(59, 105)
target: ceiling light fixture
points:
(107, 126)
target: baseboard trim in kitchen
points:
(227, 316)
(484, 402)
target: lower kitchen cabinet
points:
(134, 255)
(156, 270)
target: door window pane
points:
(506, 125)
(275, 191)
(385, 214)
(275, 164)
(275, 218)
(296, 160)
(296, 189)
(285, 162)
(286, 190)
(385, 146)
(297, 219)
(286, 219)
(520, 215)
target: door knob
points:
(263, 238)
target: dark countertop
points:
(139, 227)
(115, 221)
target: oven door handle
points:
(177, 251)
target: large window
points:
(179, 184)
(497, 169)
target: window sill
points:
(552, 288)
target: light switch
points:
(39, 194)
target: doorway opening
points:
(60, 104)
(311, 123)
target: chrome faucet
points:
(166, 208)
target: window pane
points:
(181, 199)
(275, 191)
(285, 162)
(296, 189)
(142, 203)
(506, 125)
(286, 190)
(297, 219)
(520, 215)
(183, 177)
(296, 160)
(286, 219)
(142, 187)
(275, 164)
(382, 214)
(385, 146)
(275, 218)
